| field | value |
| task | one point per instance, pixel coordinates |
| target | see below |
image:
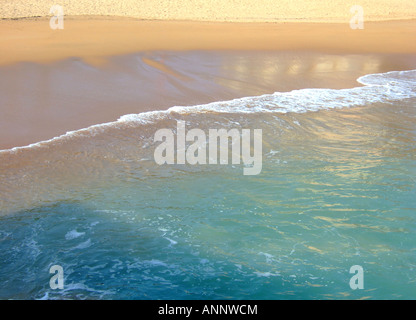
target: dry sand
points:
(218, 10)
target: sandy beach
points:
(325, 114)
(96, 31)
(219, 10)
(328, 55)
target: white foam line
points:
(299, 101)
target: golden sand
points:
(218, 10)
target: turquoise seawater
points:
(337, 189)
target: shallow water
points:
(337, 189)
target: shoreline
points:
(41, 102)
(119, 144)
(56, 81)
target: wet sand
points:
(96, 69)
(42, 101)
(96, 38)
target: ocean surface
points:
(337, 189)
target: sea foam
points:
(376, 88)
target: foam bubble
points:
(83, 245)
(73, 234)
